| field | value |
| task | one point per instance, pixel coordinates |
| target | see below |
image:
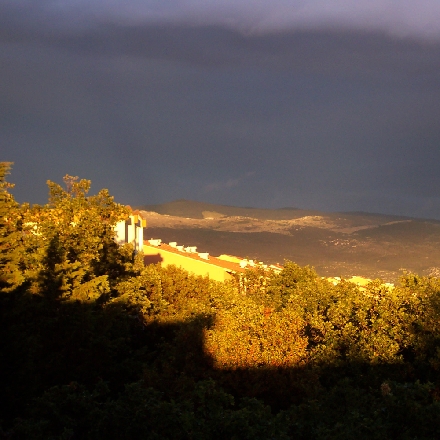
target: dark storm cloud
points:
(331, 119)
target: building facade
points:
(131, 230)
(198, 263)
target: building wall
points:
(153, 254)
(131, 231)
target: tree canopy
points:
(97, 345)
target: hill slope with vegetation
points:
(336, 244)
(97, 346)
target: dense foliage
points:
(95, 345)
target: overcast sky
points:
(329, 105)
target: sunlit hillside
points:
(336, 244)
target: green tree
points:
(70, 242)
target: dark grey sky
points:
(326, 105)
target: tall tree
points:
(10, 234)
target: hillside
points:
(336, 244)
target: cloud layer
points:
(397, 17)
(140, 99)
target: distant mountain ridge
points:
(194, 209)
